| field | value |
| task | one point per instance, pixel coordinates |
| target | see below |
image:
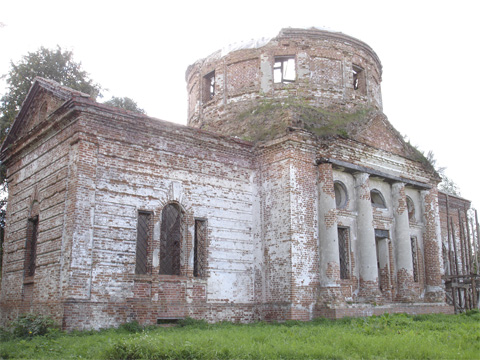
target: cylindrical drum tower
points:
(299, 69)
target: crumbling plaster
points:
(273, 225)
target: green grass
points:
(384, 337)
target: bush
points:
(31, 324)
(5, 335)
(188, 321)
(131, 327)
(473, 312)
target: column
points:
(367, 252)
(432, 247)
(403, 247)
(327, 228)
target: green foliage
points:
(129, 350)
(55, 64)
(188, 321)
(125, 103)
(270, 118)
(131, 327)
(5, 335)
(30, 324)
(381, 337)
(447, 185)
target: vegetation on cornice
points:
(271, 117)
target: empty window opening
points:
(171, 240)
(341, 196)
(343, 250)
(359, 83)
(414, 243)
(209, 88)
(200, 248)
(31, 246)
(383, 259)
(143, 242)
(411, 209)
(284, 69)
(377, 199)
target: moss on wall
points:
(269, 119)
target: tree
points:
(125, 103)
(56, 64)
(447, 185)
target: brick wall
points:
(87, 170)
(244, 77)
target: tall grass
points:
(383, 337)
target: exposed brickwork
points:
(324, 78)
(455, 205)
(432, 248)
(272, 249)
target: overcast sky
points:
(141, 49)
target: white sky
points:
(141, 49)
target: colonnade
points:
(366, 239)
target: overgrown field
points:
(383, 337)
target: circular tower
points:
(266, 85)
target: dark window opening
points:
(411, 209)
(343, 249)
(143, 242)
(284, 69)
(200, 249)
(413, 241)
(359, 83)
(170, 240)
(383, 259)
(377, 199)
(168, 320)
(31, 246)
(209, 88)
(341, 196)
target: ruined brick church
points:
(288, 195)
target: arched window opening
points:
(341, 195)
(171, 235)
(377, 199)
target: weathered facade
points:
(288, 196)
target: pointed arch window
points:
(171, 235)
